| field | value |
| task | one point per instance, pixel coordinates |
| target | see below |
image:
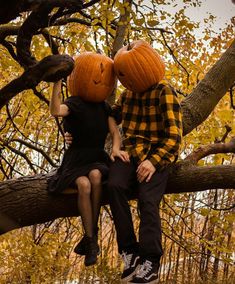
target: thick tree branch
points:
(8, 30)
(49, 69)
(12, 8)
(38, 19)
(39, 207)
(200, 103)
(119, 36)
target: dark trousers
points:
(122, 181)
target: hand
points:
(124, 156)
(145, 171)
(68, 138)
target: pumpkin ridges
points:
(93, 77)
(81, 68)
(122, 65)
(129, 83)
(151, 75)
(160, 66)
(140, 69)
(136, 71)
(106, 68)
(144, 66)
(157, 62)
(97, 78)
(109, 78)
(156, 59)
(96, 73)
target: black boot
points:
(81, 246)
(92, 251)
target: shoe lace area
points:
(127, 260)
(144, 269)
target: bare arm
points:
(116, 152)
(56, 108)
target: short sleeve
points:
(116, 111)
(73, 103)
(108, 108)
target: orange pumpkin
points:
(92, 78)
(138, 66)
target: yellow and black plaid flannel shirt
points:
(151, 123)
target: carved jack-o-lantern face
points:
(92, 78)
(138, 66)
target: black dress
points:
(88, 124)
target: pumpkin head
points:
(138, 66)
(92, 78)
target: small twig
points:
(222, 140)
(18, 152)
(33, 147)
(52, 44)
(10, 49)
(207, 150)
(174, 57)
(40, 96)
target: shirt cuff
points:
(156, 163)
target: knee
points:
(83, 185)
(95, 177)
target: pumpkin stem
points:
(129, 46)
(99, 51)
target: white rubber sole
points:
(129, 277)
(152, 282)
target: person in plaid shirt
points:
(152, 130)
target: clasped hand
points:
(145, 171)
(124, 156)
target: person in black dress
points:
(85, 162)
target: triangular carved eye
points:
(101, 67)
(96, 82)
(120, 73)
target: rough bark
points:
(121, 29)
(49, 69)
(204, 151)
(201, 102)
(119, 39)
(12, 8)
(25, 201)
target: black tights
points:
(89, 198)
